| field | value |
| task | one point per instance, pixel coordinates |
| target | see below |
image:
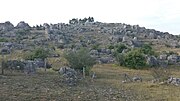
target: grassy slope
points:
(153, 92)
(106, 87)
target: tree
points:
(73, 21)
(80, 59)
(135, 59)
(90, 19)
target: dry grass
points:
(164, 48)
(112, 75)
(48, 86)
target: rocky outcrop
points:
(5, 51)
(172, 59)
(152, 61)
(7, 26)
(174, 81)
(23, 25)
(69, 75)
(30, 67)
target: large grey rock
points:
(163, 57)
(46, 26)
(5, 51)
(94, 52)
(7, 26)
(30, 67)
(15, 65)
(174, 81)
(8, 44)
(125, 39)
(69, 75)
(105, 51)
(137, 78)
(23, 25)
(135, 44)
(172, 59)
(105, 60)
(152, 61)
(135, 39)
(39, 62)
(152, 35)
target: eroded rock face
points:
(23, 25)
(7, 26)
(69, 75)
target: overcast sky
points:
(163, 15)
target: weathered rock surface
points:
(23, 25)
(7, 26)
(69, 75)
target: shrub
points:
(37, 53)
(110, 47)
(135, 59)
(120, 59)
(3, 40)
(120, 48)
(80, 59)
(147, 49)
(96, 46)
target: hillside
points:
(132, 63)
(100, 38)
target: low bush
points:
(79, 59)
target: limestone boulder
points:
(23, 25)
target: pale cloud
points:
(163, 15)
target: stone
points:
(163, 56)
(135, 39)
(125, 39)
(15, 65)
(152, 61)
(125, 51)
(46, 26)
(5, 51)
(135, 44)
(137, 78)
(174, 81)
(30, 67)
(94, 52)
(8, 44)
(7, 26)
(105, 60)
(93, 75)
(23, 25)
(172, 59)
(39, 62)
(152, 35)
(69, 75)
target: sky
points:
(162, 15)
